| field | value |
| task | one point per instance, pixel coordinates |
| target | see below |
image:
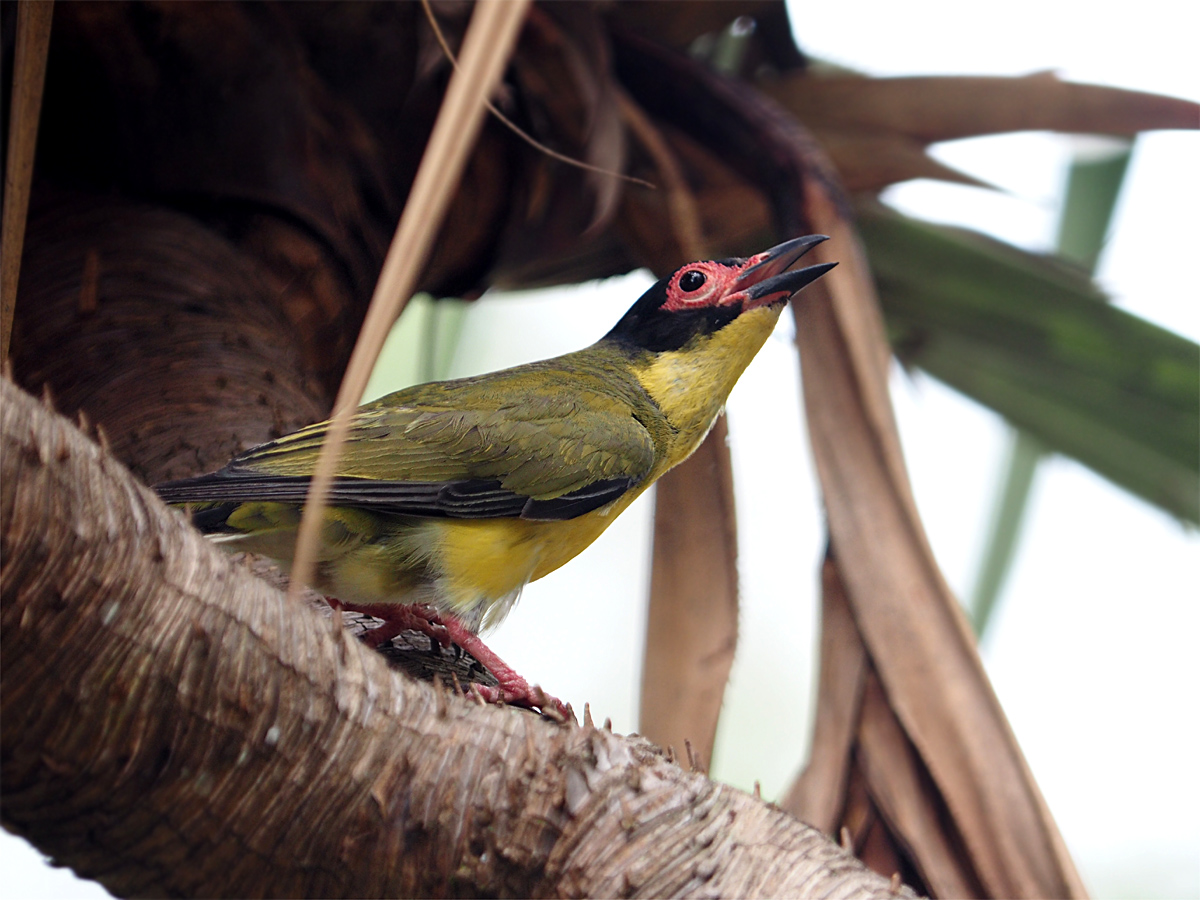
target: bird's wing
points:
(545, 451)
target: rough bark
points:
(174, 727)
(184, 347)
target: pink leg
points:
(512, 688)
(445, 628)
(397, 618)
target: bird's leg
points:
(513, 689)
(444, 628)
(397, 617)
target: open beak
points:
(764, 280)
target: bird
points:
(451, 496)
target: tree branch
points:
(172, 726)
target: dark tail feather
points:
(211, 519)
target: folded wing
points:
(531, 451)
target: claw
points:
(445, 629)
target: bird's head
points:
(700, 299)
(689, 338)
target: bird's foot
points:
(418, 617)
(444, 629)
(512, 689)
(521, 693)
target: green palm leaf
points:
(1026, 336)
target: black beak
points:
(765, 280)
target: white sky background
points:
(1093, 650)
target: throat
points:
(690, 385)
(669, 380)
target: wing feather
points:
(537, 448)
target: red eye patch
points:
(699, 285)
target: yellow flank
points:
(691, 385)
(264, 516)
(484, 557)
(465, 565)
(495, 557)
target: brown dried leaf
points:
(906, 797)
(913, 629)
(872, 161)
(818, 796)
(692, 629)
(930, 109)
(869, 834)
(863, 766)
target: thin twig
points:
(515, 128)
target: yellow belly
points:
(494, 557)
(474, 568)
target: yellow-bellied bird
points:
(451, 496)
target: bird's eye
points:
(692, 280)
